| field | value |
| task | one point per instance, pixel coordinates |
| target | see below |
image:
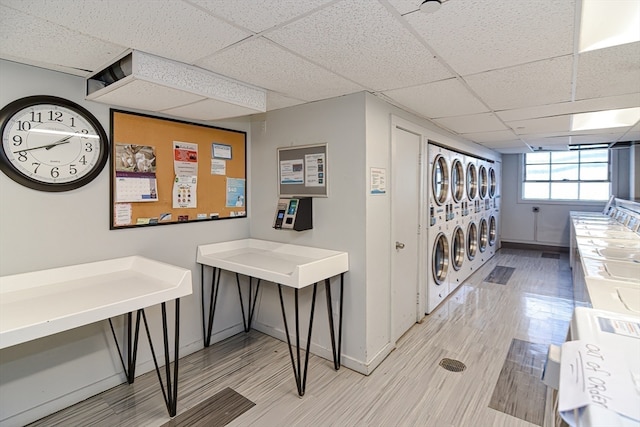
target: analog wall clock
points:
(51, 144)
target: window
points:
(567, 175)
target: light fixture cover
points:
(609, 23)
(605, 119)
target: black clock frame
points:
(7, 167)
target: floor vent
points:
(550, 255)
(452, 365)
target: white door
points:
(405, 215)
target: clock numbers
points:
(36, 117)
(17, 140)
(88, 147)
(22, 156)
(56, 116)
(24, 125)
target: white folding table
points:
(45, 302)
(288, 265)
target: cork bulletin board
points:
(166, 171)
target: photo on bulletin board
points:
(168, 171)
(303, 171)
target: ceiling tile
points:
(168, 28)
(504, 144)
(439, 99)
(586, 105)
(496, 136)
(517, 150)
(259, 15)
(31, 31)
(143, 95)
(485, 122)
(536, 83)
(362, 40)
(209, 109)
(605, 138)
(260, 62)
(480, 35)
(553, 140)
(276, 101)
(545, 124)
(608, 72)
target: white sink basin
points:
(601, 226)
(617, 254)
(605, 234)
(609, 243)
(615, 296)
(609, 269)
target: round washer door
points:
(472, 181)
(492, 182)
(472, 240)
(440, 179)
(483, 181)
(484, 235)
(493, 232)
(457, 248)
(440, 259)
(457, 180)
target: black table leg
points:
(299, 374)
(251, 306)
(215, 286)
(336, 351)
(131, 338)
(170, 392)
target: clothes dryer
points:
(438, 250)
(475, 212)
(458, 194)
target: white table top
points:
(290, 265)
(41, 303)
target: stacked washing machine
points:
(438, 242)
(473, 230)
(458, 221)
(463, 219)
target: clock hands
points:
(61, 141)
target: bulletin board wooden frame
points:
(147, 155)
(312, 181)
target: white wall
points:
(550, 226)
(380, 116)
(42, 230)
(338, 220)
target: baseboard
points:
(534, 247)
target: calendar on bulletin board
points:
(166, 171)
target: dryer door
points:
(472, 240)
(493, 231)
(484, 235)
(440, 179)
(440, 259)
(472, 181)
(457, 180)
(457, 248)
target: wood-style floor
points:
(480, 325)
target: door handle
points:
(399, 245)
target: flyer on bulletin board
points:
(135, 175)
(235, 192)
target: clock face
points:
(51, 144)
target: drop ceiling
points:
(503, 73)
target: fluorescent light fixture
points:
(605, 119)
(61, 132)
(608, 23)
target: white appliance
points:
(438, 244)
(458, 221)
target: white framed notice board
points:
(302, 171)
